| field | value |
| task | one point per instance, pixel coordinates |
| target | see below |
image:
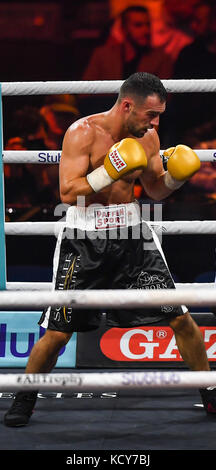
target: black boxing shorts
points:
(108, 248)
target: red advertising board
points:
(146, 344)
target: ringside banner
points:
(149, 344)
(19, 331)
(137, 347)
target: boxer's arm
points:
(74, 163)
(122, 158)
(181, 165)
(152, 179)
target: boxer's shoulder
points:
(88, 126)
(81, 133)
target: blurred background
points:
(69, 40)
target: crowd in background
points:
(177, 40)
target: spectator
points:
(20, 184)
(58, 116)
(172, 29)
(33, 129)
(197, 60)
(204, 137)
(198, 196)
(116, 60)
(27, 123)
(26, 184)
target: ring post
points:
(2, 208)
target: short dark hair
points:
(142, 85)
(136, 8)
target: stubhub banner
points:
(19, 331)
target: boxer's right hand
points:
(125, 156)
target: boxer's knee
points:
(56, 339)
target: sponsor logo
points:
(149, 344)
(166, 309)
(46, 157)
(18, 334)
(105, 218)
(149, 281)
(13, 340)
(117, 161)
(150, 378)
(214, 161)
(161, 334)
(53, 379)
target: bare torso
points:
(97, 140)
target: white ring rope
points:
(33, 228)
(108, 381)
(182, 227)
(53, 156)
(48, 285)
(34, 156)
(97, 86)
(185, 227)
(118, 299)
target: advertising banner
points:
(147, 346)
(19, 331)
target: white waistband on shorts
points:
(99, 217)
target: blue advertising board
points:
(19, 331)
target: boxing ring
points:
(39, 295)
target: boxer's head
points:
(142, 98)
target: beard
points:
(136, 132)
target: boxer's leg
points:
(190, 342)
(192, 349)
(45, 352)
(72, 259)
(42, 359)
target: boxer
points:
(102, 156)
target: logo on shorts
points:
(57, 314)
(116, 160)
(166, 308)
(149, 281)
(110, 218)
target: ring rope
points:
(117, 298)
(48, 285)
(173, 227)
(53, 156)
(100, 86)
(108, 381)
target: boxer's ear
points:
(127, 104)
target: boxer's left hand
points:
(182, 163)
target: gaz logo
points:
(149, 344)
(161, 334)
